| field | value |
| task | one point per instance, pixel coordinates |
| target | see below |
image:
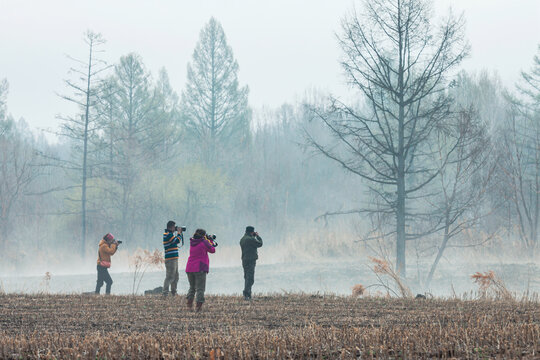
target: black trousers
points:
(249, 276)
(103, 277)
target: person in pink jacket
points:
(197, 266)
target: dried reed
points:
(141, 261)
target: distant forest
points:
(425, 158)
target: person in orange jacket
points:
(107, 247)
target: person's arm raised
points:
(258, 241)
(110, 248)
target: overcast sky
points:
(283, 47)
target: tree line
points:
(425, 156)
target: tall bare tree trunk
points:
(85, 154)
(79, 128)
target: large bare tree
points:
(399, 63)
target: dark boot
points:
(199, 306)
(190, 304)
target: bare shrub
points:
(490, 285)
(46, 282)
(358, 290)
(383, 268)
(141, 261)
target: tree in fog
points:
(82, 126)
(520, 156)
(4, 87)
(133, 138)
(214, 106)
(136, 110)
(455, 204)
(167, 115)
(140, 125)
(17, 167)
(399, 62)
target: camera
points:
(119, 242)
(183, 228)
(212, 239)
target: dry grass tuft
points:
(382, 267)
(46, 282)
(358, 290)
(141, 261)
(217, 354)
(489, 284)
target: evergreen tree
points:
(214, 106)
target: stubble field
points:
(269, 327)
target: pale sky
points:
(283, 47)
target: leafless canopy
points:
(399, 63)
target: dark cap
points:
(170, 224)
(250, 229)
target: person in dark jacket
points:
(249, 243)
(170, 246)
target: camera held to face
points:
(212, 239)
(180, 228)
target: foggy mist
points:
(340, 144)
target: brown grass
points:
(358, 290)
(270, 327)
(45, 282)
(382, 267)
(490, 285)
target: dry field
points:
(270, 327)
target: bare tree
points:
(520, 160)
(461, 184)
(17, 171)
(107, 114)
(4, 87)
(79, 128)
(399, 62)
(215, 108)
